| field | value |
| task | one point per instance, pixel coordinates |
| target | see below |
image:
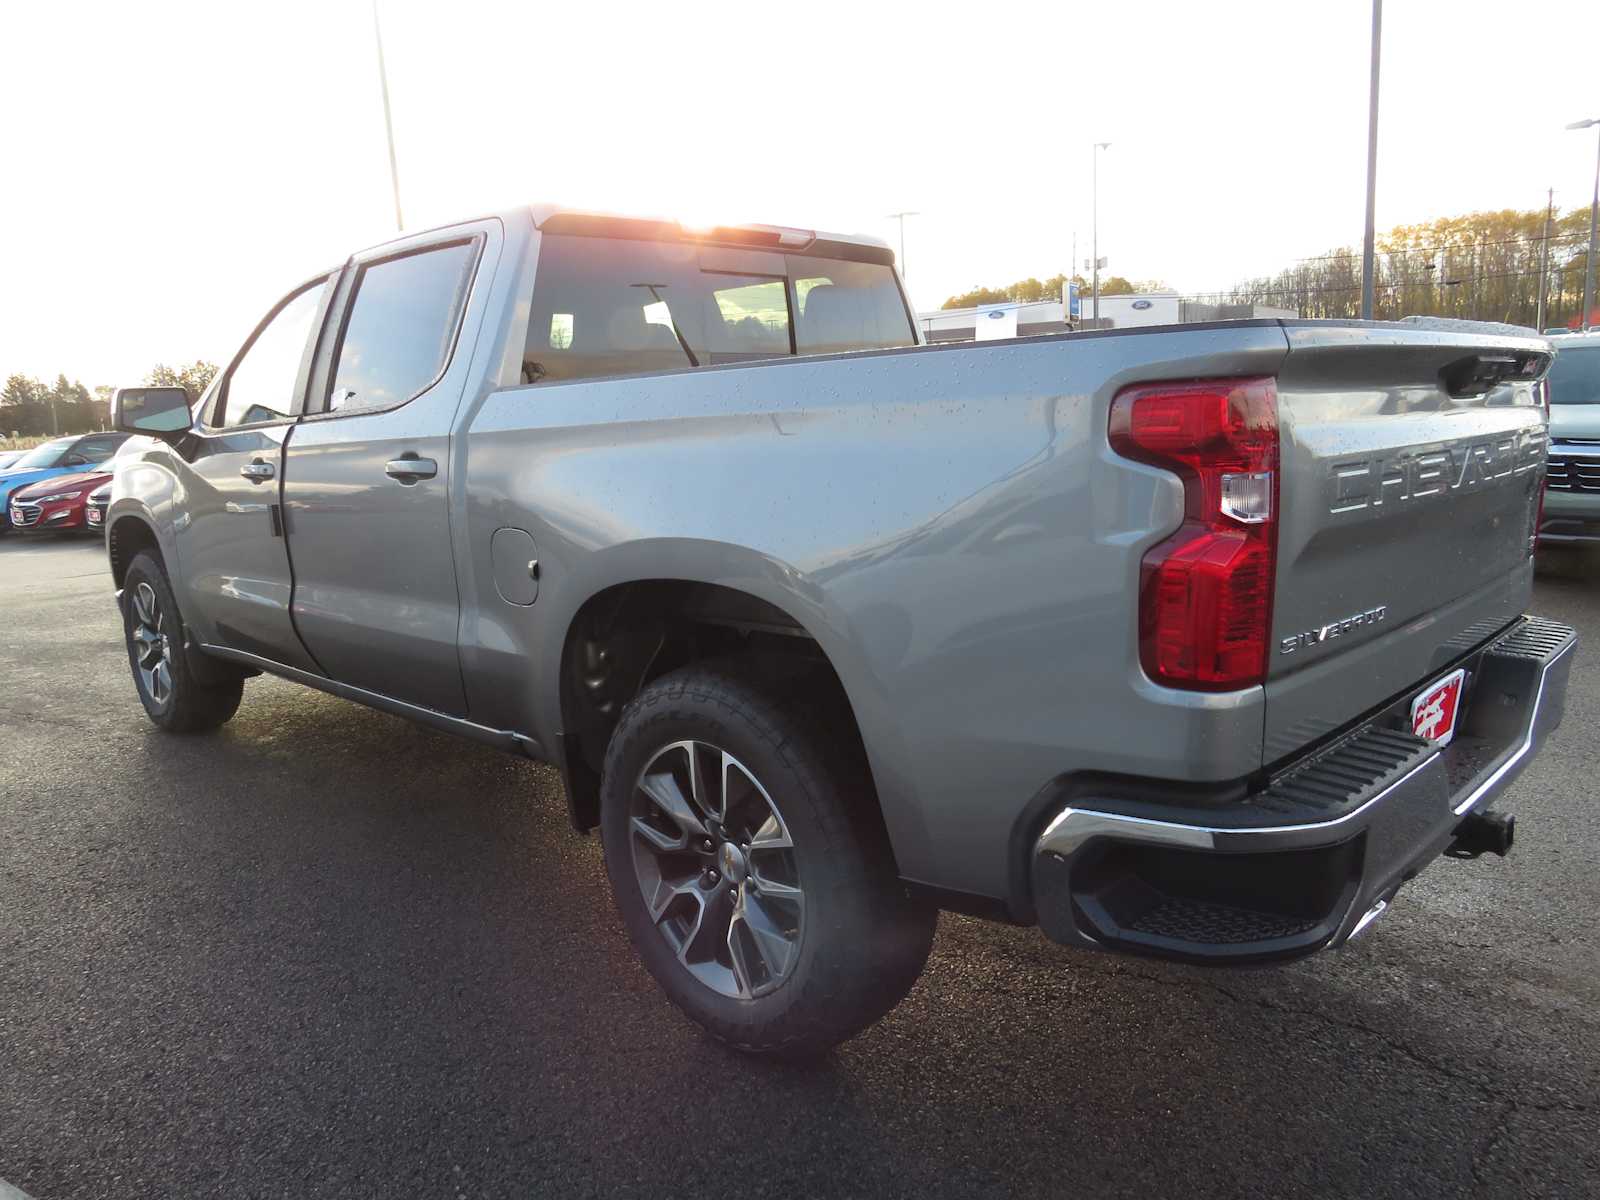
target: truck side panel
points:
(948, 523)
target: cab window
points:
(609, 306)
(843, 306)
(265, 383)
(402, 325)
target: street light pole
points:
(1594, 224)
(1369, 241)
(901, 217)
(388, 123)
(1094, 235)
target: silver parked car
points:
(1572, 488)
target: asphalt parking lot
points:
(324, 953)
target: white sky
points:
(167, 170)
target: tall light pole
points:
(901, 217)
(1594, 223)
(388, 123)
(1370, 239)
(1094, 234)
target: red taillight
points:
(1205, 594)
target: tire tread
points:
(194, 708)
(864, 966)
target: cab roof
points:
(555, 218)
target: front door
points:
(230, 535)
(367, 472)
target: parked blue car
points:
(59, 456)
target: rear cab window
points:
(610, 306)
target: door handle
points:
(410, 469)
(258, 471)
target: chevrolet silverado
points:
(1194, 642)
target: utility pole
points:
(901, 217)
(1594, 224)
(1544, 261)
(388, 123)
(1369, 241)
(1094, 234)
(1477, 263)
(1588, 259)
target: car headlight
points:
(58, 496)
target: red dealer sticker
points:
(1433, 713)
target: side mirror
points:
(152, 411)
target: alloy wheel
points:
(152, 649)
(716, 867)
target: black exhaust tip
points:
(1486, 831)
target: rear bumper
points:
(1308, 860)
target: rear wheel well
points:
(129, 536)
(628, 635)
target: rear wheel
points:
(172, 697)
(749, 864)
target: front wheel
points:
(172, 697)
(747, 858)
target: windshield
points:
(1575, 376)
(41, 456)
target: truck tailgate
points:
(1406, 514)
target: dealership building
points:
(1017, 319)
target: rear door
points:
(1407, 501)
(229, 536)
(366, 488)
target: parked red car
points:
(57, 503)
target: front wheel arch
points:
(127, 537)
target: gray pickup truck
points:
(1194, 642)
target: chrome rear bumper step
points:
(1318, 854)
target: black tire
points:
(183, 704)
(862, 943)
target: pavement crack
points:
(1487, 1144)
